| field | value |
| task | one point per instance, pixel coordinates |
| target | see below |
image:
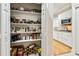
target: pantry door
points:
(77, 29)
(75, 17)
(0, 29)
(5, 29)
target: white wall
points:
(66, 14)
(47, 26)
(63, 37)
(49, 29)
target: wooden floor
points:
(60, 48)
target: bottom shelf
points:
(37, 54)
(30, 40)
(33, 49)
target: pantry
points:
(25, 29)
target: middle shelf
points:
(24, 32)
(30, 40)
(24, 24)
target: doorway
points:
(62, 29)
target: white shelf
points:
(23, 32)
(67, 23)
(24, 24)
(25, 12)
(30, 40)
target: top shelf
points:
(25, 12)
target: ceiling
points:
(59, 6)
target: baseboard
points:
(77, 54)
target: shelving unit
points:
(29, 33)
